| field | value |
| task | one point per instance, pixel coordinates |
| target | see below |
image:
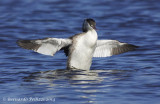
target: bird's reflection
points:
(74, 77)
(87, 82)
(51, 77)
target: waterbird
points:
(79, 48)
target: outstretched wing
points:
(47, 46)
(106, 48)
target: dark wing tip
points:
(20, 42)
(131, 47)
(124, 48)
(28, 44)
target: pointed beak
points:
(95, 28)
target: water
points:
(129, 78)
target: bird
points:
(79, 48)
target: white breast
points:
(82, 50)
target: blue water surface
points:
(27, 77)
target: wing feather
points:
(47, 46)
(106, 48)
